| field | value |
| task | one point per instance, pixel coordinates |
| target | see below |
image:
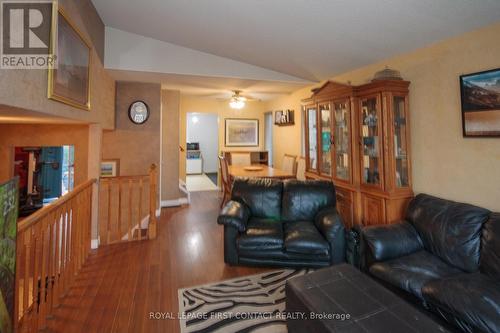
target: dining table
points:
(258, 171)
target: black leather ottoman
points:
(343, 299)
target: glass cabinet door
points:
(400, 142)
(326, 139)
(342, 139)
(312, 139)
(371, 141)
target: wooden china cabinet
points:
(358, 136)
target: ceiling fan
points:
(237, 101)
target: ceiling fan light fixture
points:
(237, 103)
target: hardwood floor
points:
(121, 284)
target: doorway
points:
(202, 143)
(268, 135)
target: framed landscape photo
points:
(480, 94)
(241, 132)
(69, 81)
(110, 168)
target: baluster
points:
(130, 210)
(43, 274)
(57, 259)
(119, 210)
(140, 207)
(108, 229)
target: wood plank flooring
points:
(120, 285)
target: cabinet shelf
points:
(374, 173)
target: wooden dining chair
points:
(301, 168)
(241, 159)
(225, 180)
(288, 163)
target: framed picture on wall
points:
(110, 168)
(69, 82)
(241, 132)
(480, 93)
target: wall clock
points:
(138, 112)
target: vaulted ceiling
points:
(308, 40)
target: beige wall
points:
(136, 146)
(170, 145)
(444, 163)
(12, 136)
(27, 89)
(253, 110)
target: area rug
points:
(246, 304)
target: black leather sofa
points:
(446, 255)
(282, 223)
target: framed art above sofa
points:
(480, 94)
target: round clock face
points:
(138, 112)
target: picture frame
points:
(241, 132)
(284, 118)
(69, 81)
(480, 103)
(110, 168)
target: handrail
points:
(39, 214)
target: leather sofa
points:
(446, 256)
(287, 223)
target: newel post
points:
(153, 198)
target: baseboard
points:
(94, 244)
(174, 202)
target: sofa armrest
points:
(330, 224)
(384, 242)
(234, 214)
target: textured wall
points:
(444, 163)
(27, 89)
(170, 145)
(44, 135)
(137, 146)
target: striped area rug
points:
(245, 304)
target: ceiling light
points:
(237, 103)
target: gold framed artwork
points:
(110, 168)
(69, 81)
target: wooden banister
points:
(123, 202)
(52, 246)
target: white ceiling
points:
(309, 39)
(211, 87)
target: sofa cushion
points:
(449, 229)
(473, 299)
(490, 251)
(302, 200)
(411, 272)
(262, 196)
(261, 234)
(303, 237)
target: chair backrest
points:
(224, 169)
(301, 168)
(288, 163)
(241, 159)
